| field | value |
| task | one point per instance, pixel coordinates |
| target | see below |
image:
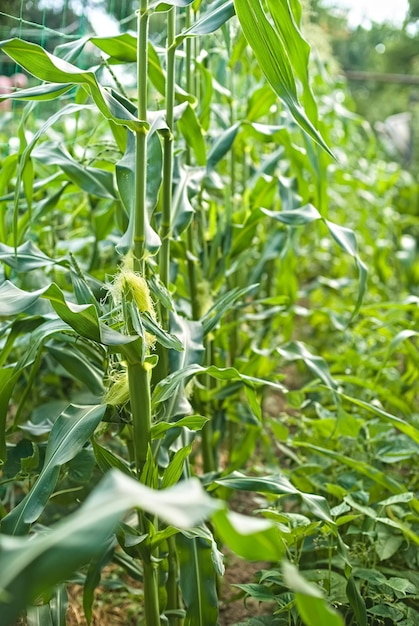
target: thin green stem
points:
(172, 585)
(140, 401)
(151, 594)
(168, 152)
(190, 261)
(208, 459)
(141, 140)
(162, 368)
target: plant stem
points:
(168, 156)
(162, 368)
(191, 263)
(151, 595)
(141, 140)
(172, 585)
(140, 401)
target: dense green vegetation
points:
(209, 286)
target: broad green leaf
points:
(90, 179)
(122, 48)
(399, 338)
(360, 466)
(59, 605)
(165, 5)
(82, 318)
(190, 128)
(71, 50)
(45, 92)
(93, 577)
(50, 68)
(346, 239)
(182, 209)
(279, 485)
(224, 305)
(125, 177)
(68, 435)
(296, 350)
(357, 602)
(107, 460)
(273, 58)
(221, 146)
(309, 599)
(26, 257)
(287, 25)
(9, 376)
(251, 538)
(198, 581)
(217, 14)
(387, 611)
(174, 470)
(166, 339)
(397, 422)
(298, 217)
(40, 615)
(165, 388)
(79, 366)
(30, 566)
(192, 422)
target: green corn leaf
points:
(217, 14)
(190, 128)
(82, 318)
(296, 350)
(223, 306)
(167, 387)
(28, 567)
(182, 209)
(197, 580)
(68, 435)
(50, 68)
(121, 48)
(93, 577)
(397, 422)
(165, 5)
(9, 376)
(273, 58)
(221, 146)
(192, 422)
(40, 615)
(174, 470)
(309, 599)
(26, 257)
(357, 602)
(59, 605)
(71, 50)
(93, 180)
(285, 15)
(360, 466)
(279, 485)
(41, 93)
(107, 460)
(79, 366)
(253, 539)
(346, 239)
(125, 177)
(297, 217)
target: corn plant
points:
(150, 279)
